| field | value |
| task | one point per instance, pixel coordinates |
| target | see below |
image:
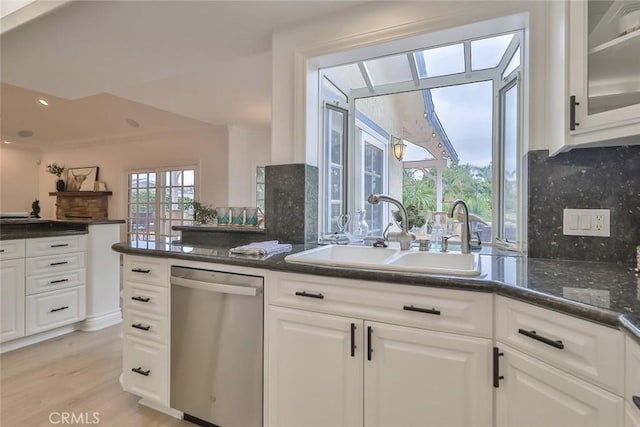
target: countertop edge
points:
(591, 313)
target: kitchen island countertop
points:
(606, 293)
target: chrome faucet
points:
(465, 236)
(403, 237)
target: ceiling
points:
(168, 65)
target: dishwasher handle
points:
(214, 287)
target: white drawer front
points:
(56, 245)
(54, 264)
(146, 369)
(146, 270)
(12, 249)
(591, 351)
(54, 281)
(52, 309)
(632, 374)
(146, 298)
(146, 325)
(422, 307)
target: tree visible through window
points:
(157, 200)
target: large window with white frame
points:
(159, 199)
(457, 109)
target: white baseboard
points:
(161, 408)
(42, 336)
(101, 321)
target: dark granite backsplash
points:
(291, 203)
(588, 178)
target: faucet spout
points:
(465, 236)
(404, 237)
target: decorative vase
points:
(60, 185)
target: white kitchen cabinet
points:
(146, 328)
(12, 292)
(603, 74)
(320, 373)
(533, 394)
(632, 382)
(314, 378)
(415, 375)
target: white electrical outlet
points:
(586, 222)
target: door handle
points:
(53, 282)
(572, 113)
(59, 263)
(141, 299)
(496, 367)
(310, 295)
(533, 334)
(62, 245)
(141, 371)
(141, 270)
(353, 340)
(369, 346)
(53, 310)
(422, 310)
(141, 326)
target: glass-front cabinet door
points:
(604, 70)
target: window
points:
(457, 108)
(158, 200)
(260, 187)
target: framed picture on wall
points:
(82, 179)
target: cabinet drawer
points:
(146, 369)
(591, 351)
(12, 249)
(54, 264)
(54, 281)
(146, 325)
(423, 307)
(632, 374)
(52, 309)
(56, 245)
(146, 298)
(146, 270)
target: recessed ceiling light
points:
(132, 123)
(43, 101)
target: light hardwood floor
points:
(76, 373)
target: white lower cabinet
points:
(314, 380)
(12, 285)
(417, 377)
(532, 393)
(145, 371)
(50, 310)
(332, 370)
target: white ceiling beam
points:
(366, 76)
(414, 69)
(426, 164)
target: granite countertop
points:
(606, 293)
(29, 228)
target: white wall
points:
(377, 29)
(248, 148)
(20, 178)
(206, 148)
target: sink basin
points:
(388, 259)
(347, 256)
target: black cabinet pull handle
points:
(53, 282)
(422, 310)
(141, 270)
(369, 337)
(496, 367)
(141, 371)
(1, 250)
(59, 263)
(532, 334)
(572, 113)
(141, 326)
(53, 310)
(353, 340)
(62, 245)
(636, 400)
(309, 295)
(141, 299)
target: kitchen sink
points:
(389, 259)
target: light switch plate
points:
(586, 222)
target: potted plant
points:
(57, 170)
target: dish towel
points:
(267, 248)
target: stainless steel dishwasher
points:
(216, 347)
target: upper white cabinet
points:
(603, 73)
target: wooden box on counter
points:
(82, 204)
